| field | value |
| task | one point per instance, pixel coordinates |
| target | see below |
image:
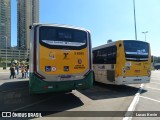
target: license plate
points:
(137, 79)
(66, 76)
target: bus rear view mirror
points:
(30, 27)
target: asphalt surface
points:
(150, 101)
(82, 104)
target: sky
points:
(106, 19)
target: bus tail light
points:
(45, 87)
(40, 76)
(48, 87)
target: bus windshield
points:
(136, 50)
(59, 36)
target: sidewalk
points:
(4, 71)
(7, 79)
(7, 72)
(1, 68)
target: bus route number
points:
(79, 53)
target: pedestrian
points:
(12, 71)
(26, 71)
(23, 70)
(17, 68)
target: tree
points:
(1, 59)
(156, 59)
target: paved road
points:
(150, 100)
(14, 96)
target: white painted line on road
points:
(31, 104)
(150, 99)
(128, 115)
(155, 82)
(153, 88)
(157, 79)
(83, 98)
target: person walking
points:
(17, 68)
(14, 65)
(12, 71)
(23, 70)
(26, 71)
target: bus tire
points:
(94, 78)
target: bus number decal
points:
(79, 53)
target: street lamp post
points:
(135, 19)
(145, 34)
(6, 51)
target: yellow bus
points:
(60, 58)
(122, 62)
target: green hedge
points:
(4, 64)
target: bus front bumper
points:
(132, 80)
(37, 85)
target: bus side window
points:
(105, 55)
(114, 54)
(94, 56)
(97, 56)
(111, 55)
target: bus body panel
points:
(77, 64)
(31, 50)
(54, 70)
(132, 80)
(104, 73)
(37, 85)
(74, 66)
(125, 71)
(131, 68)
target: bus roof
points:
(104, 46)
(61, 25)
(112, 43)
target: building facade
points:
(27, 14)
(13, 53)
(5, 24)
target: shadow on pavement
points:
(13, 84)
(14, 96)
(106, 91)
